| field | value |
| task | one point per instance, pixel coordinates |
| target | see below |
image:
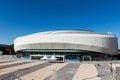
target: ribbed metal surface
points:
(69, 39)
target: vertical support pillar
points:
(30, 57)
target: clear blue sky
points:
(22, 17)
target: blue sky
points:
(22, 17)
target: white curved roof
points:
(70, 32)
(69, 39)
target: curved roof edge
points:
(69, 31)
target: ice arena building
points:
(67, 45)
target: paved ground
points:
(26, 70)
(44, 73)
(12, 65)
(65, 73)
(86, 72)
(5, 62)
(10, 62)
(104, 71)
(5, 72)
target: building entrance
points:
(59, 58)
(86, 58)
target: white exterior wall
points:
(103, 43)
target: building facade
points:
(74, 45)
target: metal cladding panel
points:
(110, 43)
(58, 45)
(71, 46)
(45, 46)
(96, 41)
(35, 46)
(92, 42)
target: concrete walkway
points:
(5, 62)
(15, 68)
(56, 71)
(114, 66)
(65, 73)
(43, 73)
(113, 73)
(9, 62)
(12, 65)
(86, 72)
(1, 60)
(104, 71)
(25, 71)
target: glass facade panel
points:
(70, 55)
